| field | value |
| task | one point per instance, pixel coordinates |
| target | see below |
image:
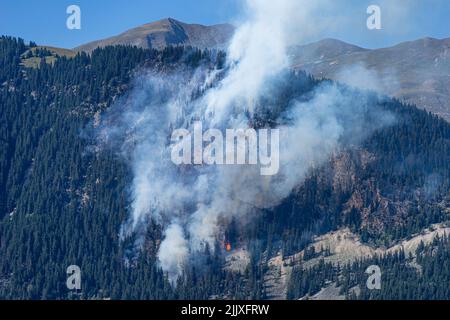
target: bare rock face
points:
(160, 34)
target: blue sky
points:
(44, 21)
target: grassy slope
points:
(34, 62)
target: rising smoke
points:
(193, 202)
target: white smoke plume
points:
(361, 77)
(177, 245)
(195, 201)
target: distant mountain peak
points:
(163, 22)
(168, 31)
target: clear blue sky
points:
(44, 21)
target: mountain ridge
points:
(416, 71)
(168, 31)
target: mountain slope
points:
(166, 32)
(63, 200)
(417, 71)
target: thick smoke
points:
(361, 77)
(257, 51)
(195, 201)
(175, 243)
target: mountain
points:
(63, 199)
(166, 32)
(417, 72)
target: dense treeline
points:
(62, 204)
